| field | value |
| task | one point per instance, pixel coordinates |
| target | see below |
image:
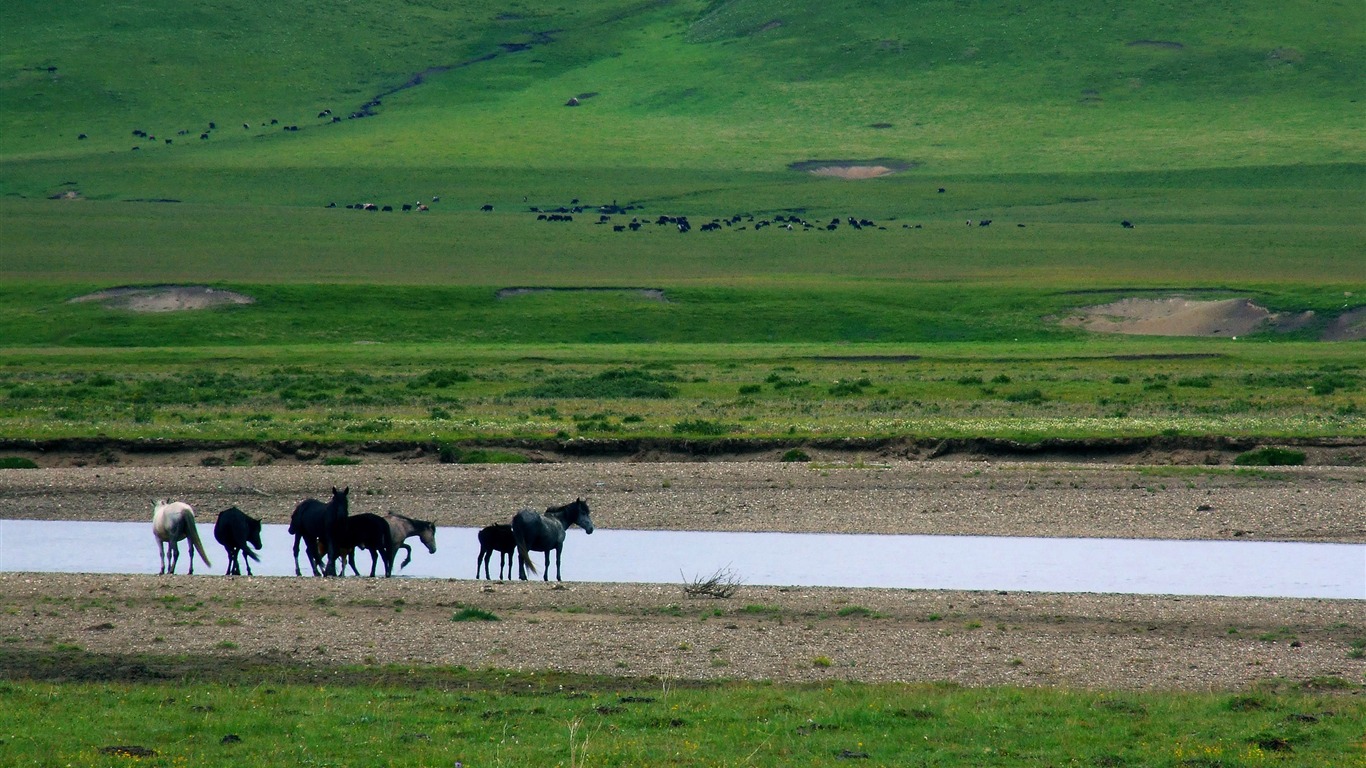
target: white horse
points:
(171, 522)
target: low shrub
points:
(474, 614)
(1270, 456)
(796, 454)
(17, 462)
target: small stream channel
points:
(1133, 566)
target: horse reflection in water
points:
(171, 522)
(543, 533)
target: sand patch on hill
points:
(1349, 326)
(852, 169)
(165, 298)
(1178, 316)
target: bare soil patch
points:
(1179, 316)
(853, 169)
(165, 298)
(1349, 326)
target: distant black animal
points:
(486, 207)
(312, 523)
(543, 533)
(495, 538)
(1127, 224)
(365, 531)
(235, 530)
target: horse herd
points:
(330, 536)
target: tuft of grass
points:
(17, 462)
(1270, 456)
(473, 614)
(340, 461)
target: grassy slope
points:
(1238, 152)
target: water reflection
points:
(1136, 566)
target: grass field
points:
(402, 717)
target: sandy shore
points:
(799, 634)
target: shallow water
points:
(1135, 566)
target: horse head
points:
(340, 499)
(580, 512)
(426, 533)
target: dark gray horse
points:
(312, 523)
(495, 538)
(543, 533)
(401, 527)
(238, 533)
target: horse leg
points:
(174, 557)
(190, 546)
(483, 557)
(374, 561)
(161, 553)
(557, 563)
(547, 566)
(297, 572)
(408, 556)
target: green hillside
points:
(678, 89)
(1231, 134)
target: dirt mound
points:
(852, 169)
(1178, 316)
(165, 298)
(1349, 326)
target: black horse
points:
(543, 533)
(495, 538)
(365, 531)
(235, 531)
(312, 523)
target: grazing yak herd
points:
(607, 215)
(330, 536)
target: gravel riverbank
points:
(794, 634)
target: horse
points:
(543, 533)
(364, 531)
(401, 527)
(235, 531)
(171, 522)
(495, 538)
(312, 522)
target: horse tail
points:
(194, 538)
(523, 554)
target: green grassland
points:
(1231, 137)
(402, 717)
